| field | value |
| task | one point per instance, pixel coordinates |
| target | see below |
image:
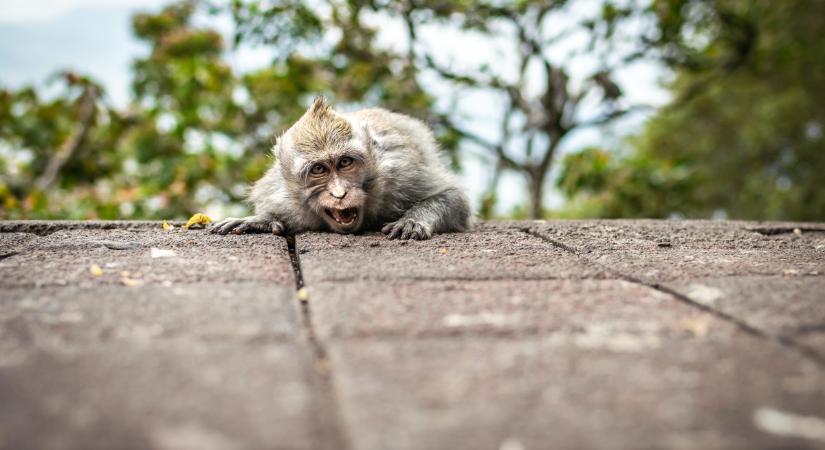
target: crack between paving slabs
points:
(330, 411)
(8, 255)
(740, 324)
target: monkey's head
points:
(329, 160)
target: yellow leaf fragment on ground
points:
(95, 270)
(303, 294)
(167, 227)
(697, 326)
(131, 282)
(197, 221)
(443, 251)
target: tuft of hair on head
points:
(320, 128)
(320, 107)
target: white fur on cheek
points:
(298, 164)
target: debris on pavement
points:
(162, 253)
(788, 424)
(118, 245)
(197, 221)
(95, 270)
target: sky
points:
(38, 38)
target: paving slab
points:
(516, 335)
(170, 395)
(64, 257)
(562, 392)
(72, 319)
(46, 227)
(498, 253)
(576, 362)
(656, 250)
(203, 349)
(503, 308)
(789, 307)
(768, 275)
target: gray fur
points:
(406, 189)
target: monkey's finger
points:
(214, 226)
(418, 232)
(243, 228)
(409, 229)
(229, 226)
(395, 232)
(386, 229)
(276, 227)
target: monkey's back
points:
(410, 163)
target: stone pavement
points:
(516, 335)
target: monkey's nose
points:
(339, 195)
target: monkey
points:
(366, 170)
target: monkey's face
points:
(335, 191)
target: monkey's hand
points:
(405, 228)
(248, 224)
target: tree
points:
(538, 116)
(543, 103)
(196, 133)
(56, 149)
(743, 137)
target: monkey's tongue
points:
(344, 216)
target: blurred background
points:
(153, 109)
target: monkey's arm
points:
(256, 223)
(446, 211)
(270, 209)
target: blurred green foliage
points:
(742, 138)
(744, 135)
(196, 133)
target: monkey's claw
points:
(249, 224)
(407, 229)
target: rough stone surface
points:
(199, 395)
(478, 255)
(559, 392)
(516, 335)
(64, 257)
(63, 319)
(664, 250)
(504, 308)
(203, 349)
(791, 307)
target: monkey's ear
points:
(367, 135)
(319, 106)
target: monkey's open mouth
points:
(343, 216)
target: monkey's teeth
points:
(343, 216)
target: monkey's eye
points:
(318, 169)
(346, 161)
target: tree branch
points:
(59, 159)
(612, 115)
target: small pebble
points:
(161, 252)
(117, 245)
